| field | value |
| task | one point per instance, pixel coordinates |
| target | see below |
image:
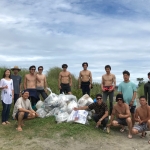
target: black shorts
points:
(24, 117)
(132, 109)
(65, 88)
(122, 121)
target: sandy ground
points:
(114, 141)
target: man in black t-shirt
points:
(147, 89)
(101, 111)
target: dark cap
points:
(119, 96)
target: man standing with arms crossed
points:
(147, 89)
(16, 82)
(128, 89)
(85, 79)
(108, 85)
(41, 86)
(65, 80)
(30, 81)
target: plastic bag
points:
(63, 98)
(79, 116)
(71, 105)
(41, 112)
(39, 104)
(61, 117)
(85, 100)
(71, 98)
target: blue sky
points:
(100, 32)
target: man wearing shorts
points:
(122, 113)
(23, 110)
(128, 89)
(30, 81)
(65, 80)
(85, 79)
(142, 116)
(108, 85)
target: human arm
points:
(90, 76)
(37, 78)
(81, 108)
(70, 79)
(133, 98)
(25, 82)
(114, 83)
(145, 90)
(45, 84)
(102, 84)
(12, 89)
(148, 115)
(2, 86)
(79, 80)
(59, 80)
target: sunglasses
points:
(40, 69)
(98, 98)
(32, 69)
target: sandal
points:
(130, 136)
(143, 135)
(122, 130)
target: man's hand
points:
(90, 86)
(131, 103)
(59, 87)
(120, 116)
(79, 86)
(108, 125)
(98, 123)
(75, 108)
(103, 89)
(70, 84)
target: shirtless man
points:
(85, 79)
(41, 86)
(108, 85)
(142, 116)
(65, 80)
(122, 113)
(30, 81)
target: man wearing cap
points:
(23, 110)
(123, 117)
(85, 79)
(101, 111)
(16, 82)
(65, 80)
(147, 89)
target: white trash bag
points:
(63, 98)
(41, 112)
(71, 98)
(85, 100)
(79, 116)
(71, 106)
(39, 104)
(61, 117)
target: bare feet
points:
(129, 136)
(3, 123)
(7, 122)
(19, 129)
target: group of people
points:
(35, 84)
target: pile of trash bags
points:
(61, 106)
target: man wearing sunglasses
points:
(30, 81)
(41, 86)
(101, 111)
(123, 117)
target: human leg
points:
(4, 113)
(96, 117)
(44, 94)
(16, 96)
(104, 122)
(111, 95)
(105, 94)
(8, 106)
(132, 111)
(129, 123)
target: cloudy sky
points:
(100, 32)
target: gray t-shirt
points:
(21, 103)
(16, 83)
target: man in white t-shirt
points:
(23, 110)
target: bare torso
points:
(85, 75)
(108, 80)
(31, 81)
(142, 113)
(41, 77)
(65, 77)
(121, 109)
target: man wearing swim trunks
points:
(128, 89)
(122, 113)
(41, 86)
(30, 81)
(142, 116)
(108, 85)
(85, 79)
(23, 110)
(65, 80)
(147, 89)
